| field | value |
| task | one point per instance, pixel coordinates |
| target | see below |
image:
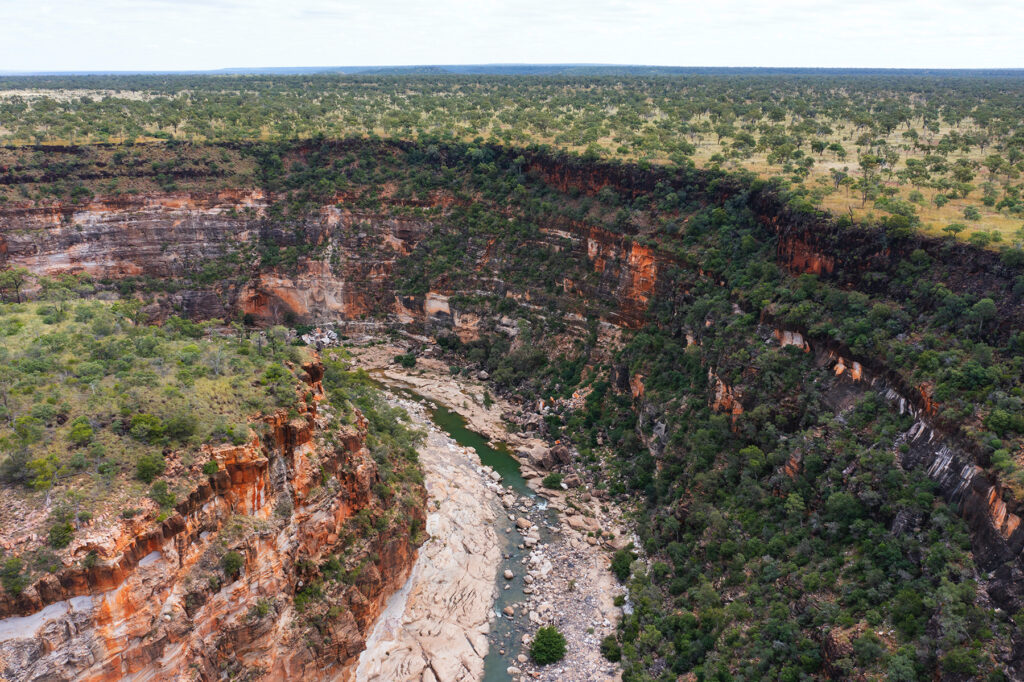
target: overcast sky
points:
(37, 35)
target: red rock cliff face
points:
(155, 605)
(354, 276)
(178, 235)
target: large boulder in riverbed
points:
(560, 454)
(539, 456)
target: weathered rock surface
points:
(440, 632)
(148, 608)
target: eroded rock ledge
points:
(148, 606)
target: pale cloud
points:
(208, 34)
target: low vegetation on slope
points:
(104, 416)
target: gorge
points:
(706, 345)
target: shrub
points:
(14, 468)
(12, 577)
(548, 646)
(210, 468)
(231, 563)
(552, 481)
(307, 594)
(180, 427)
(147, 428)
(61, 534)
(162, 495)
(149, 467)
(621, 564)
(407, 360)
(81, 432)
(610, 649)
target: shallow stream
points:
(503, 635)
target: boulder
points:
(560, 454)
(582, 523)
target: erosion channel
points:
(458, 617)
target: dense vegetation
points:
(944, 150)
(102, 413)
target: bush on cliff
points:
(552, 481)
(12, 577)
(610, 649)
(548, 646)
(231, 563)
(621, 564)
(149, 467)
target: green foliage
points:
(553, 481)
(548, 646)
(231, 563)
(622, 562)
(61, 534)
(407, 360)
(147, 428)
(161, 493)
(149, 466)
(210, 468)
(610, 649)
(13, 577)
(81, 432)
(307, 595)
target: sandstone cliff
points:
(154, 600)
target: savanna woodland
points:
(779, 317)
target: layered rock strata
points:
(155, 604)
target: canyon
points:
(353, 270)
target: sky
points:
(80, 35)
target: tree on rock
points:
(548, 646)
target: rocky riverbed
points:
(436, 627)
(556, 548)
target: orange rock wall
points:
(147, 607)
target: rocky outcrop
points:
(437, 629)
(154, 601)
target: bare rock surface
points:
(564, 571)
(436, 628)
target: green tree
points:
(983, 311)
(12, 576)
(149, 467)
(13, 280)
(231, 563)
(548, 646)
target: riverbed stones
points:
(509, 574)
(442, 630)
(523, 523)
